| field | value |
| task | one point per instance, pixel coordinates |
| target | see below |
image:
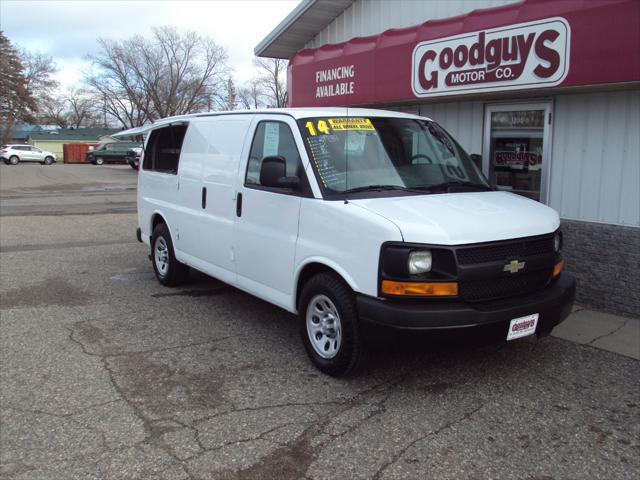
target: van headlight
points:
(419, 262)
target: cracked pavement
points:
(105, 374)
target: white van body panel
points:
(344, 237)
(157, 193)
(265, 235)
(208, 268)
(463, 218)
(226, 138)
(188, 195)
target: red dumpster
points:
(74, 152)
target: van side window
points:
(163, 149)
(272, 139)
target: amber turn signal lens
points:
(420, 289)
(558, 268)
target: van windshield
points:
(352, 154)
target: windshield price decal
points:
(351, 124)
(338, 124)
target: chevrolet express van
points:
(353, 219)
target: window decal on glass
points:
(271, 139)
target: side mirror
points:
(273, 173)
(477, 159)
(290, 183)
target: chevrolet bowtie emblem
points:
(514, 266)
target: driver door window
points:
(272, 139)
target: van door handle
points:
(239, 205)
(204, 197)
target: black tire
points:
(175, 273)
(48, 160)
(14, 160)
(350, 353)
(98, 161)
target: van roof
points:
(302, 112)
(296, 113)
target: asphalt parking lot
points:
(105, 374)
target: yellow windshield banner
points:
(350, 123)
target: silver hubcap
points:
(161, 256)
(323, 326)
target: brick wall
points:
(606, 262)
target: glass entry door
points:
(517, 142)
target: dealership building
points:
(546, 91)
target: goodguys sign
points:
(520, 46)
(532, 54)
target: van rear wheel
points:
(329, 325)
(169, 271)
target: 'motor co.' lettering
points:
(533, 54)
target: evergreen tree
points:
(17, 102)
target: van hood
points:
(462, 218)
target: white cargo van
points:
(357, 220)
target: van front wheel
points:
(169, 271)
(329, 325)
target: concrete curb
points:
(605, 331)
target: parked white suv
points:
(14, 154)
(360, 221)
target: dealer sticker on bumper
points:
(523, 326)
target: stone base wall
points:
(606, 262)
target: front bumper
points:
(553, 304)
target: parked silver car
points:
(14, 154)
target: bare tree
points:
(38, 73)
(171, 73)
(81, 110)
(250, 95)
(73, 108)
(272, 73)
(53, 110)
(126, 107)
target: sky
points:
(68, 30)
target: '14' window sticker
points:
(338, 124)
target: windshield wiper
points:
(449, 184)
(374, 188)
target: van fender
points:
(327, 263)
(178, 253)
(164, 219)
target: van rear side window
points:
(163, 149)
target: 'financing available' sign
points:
(532, 54)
